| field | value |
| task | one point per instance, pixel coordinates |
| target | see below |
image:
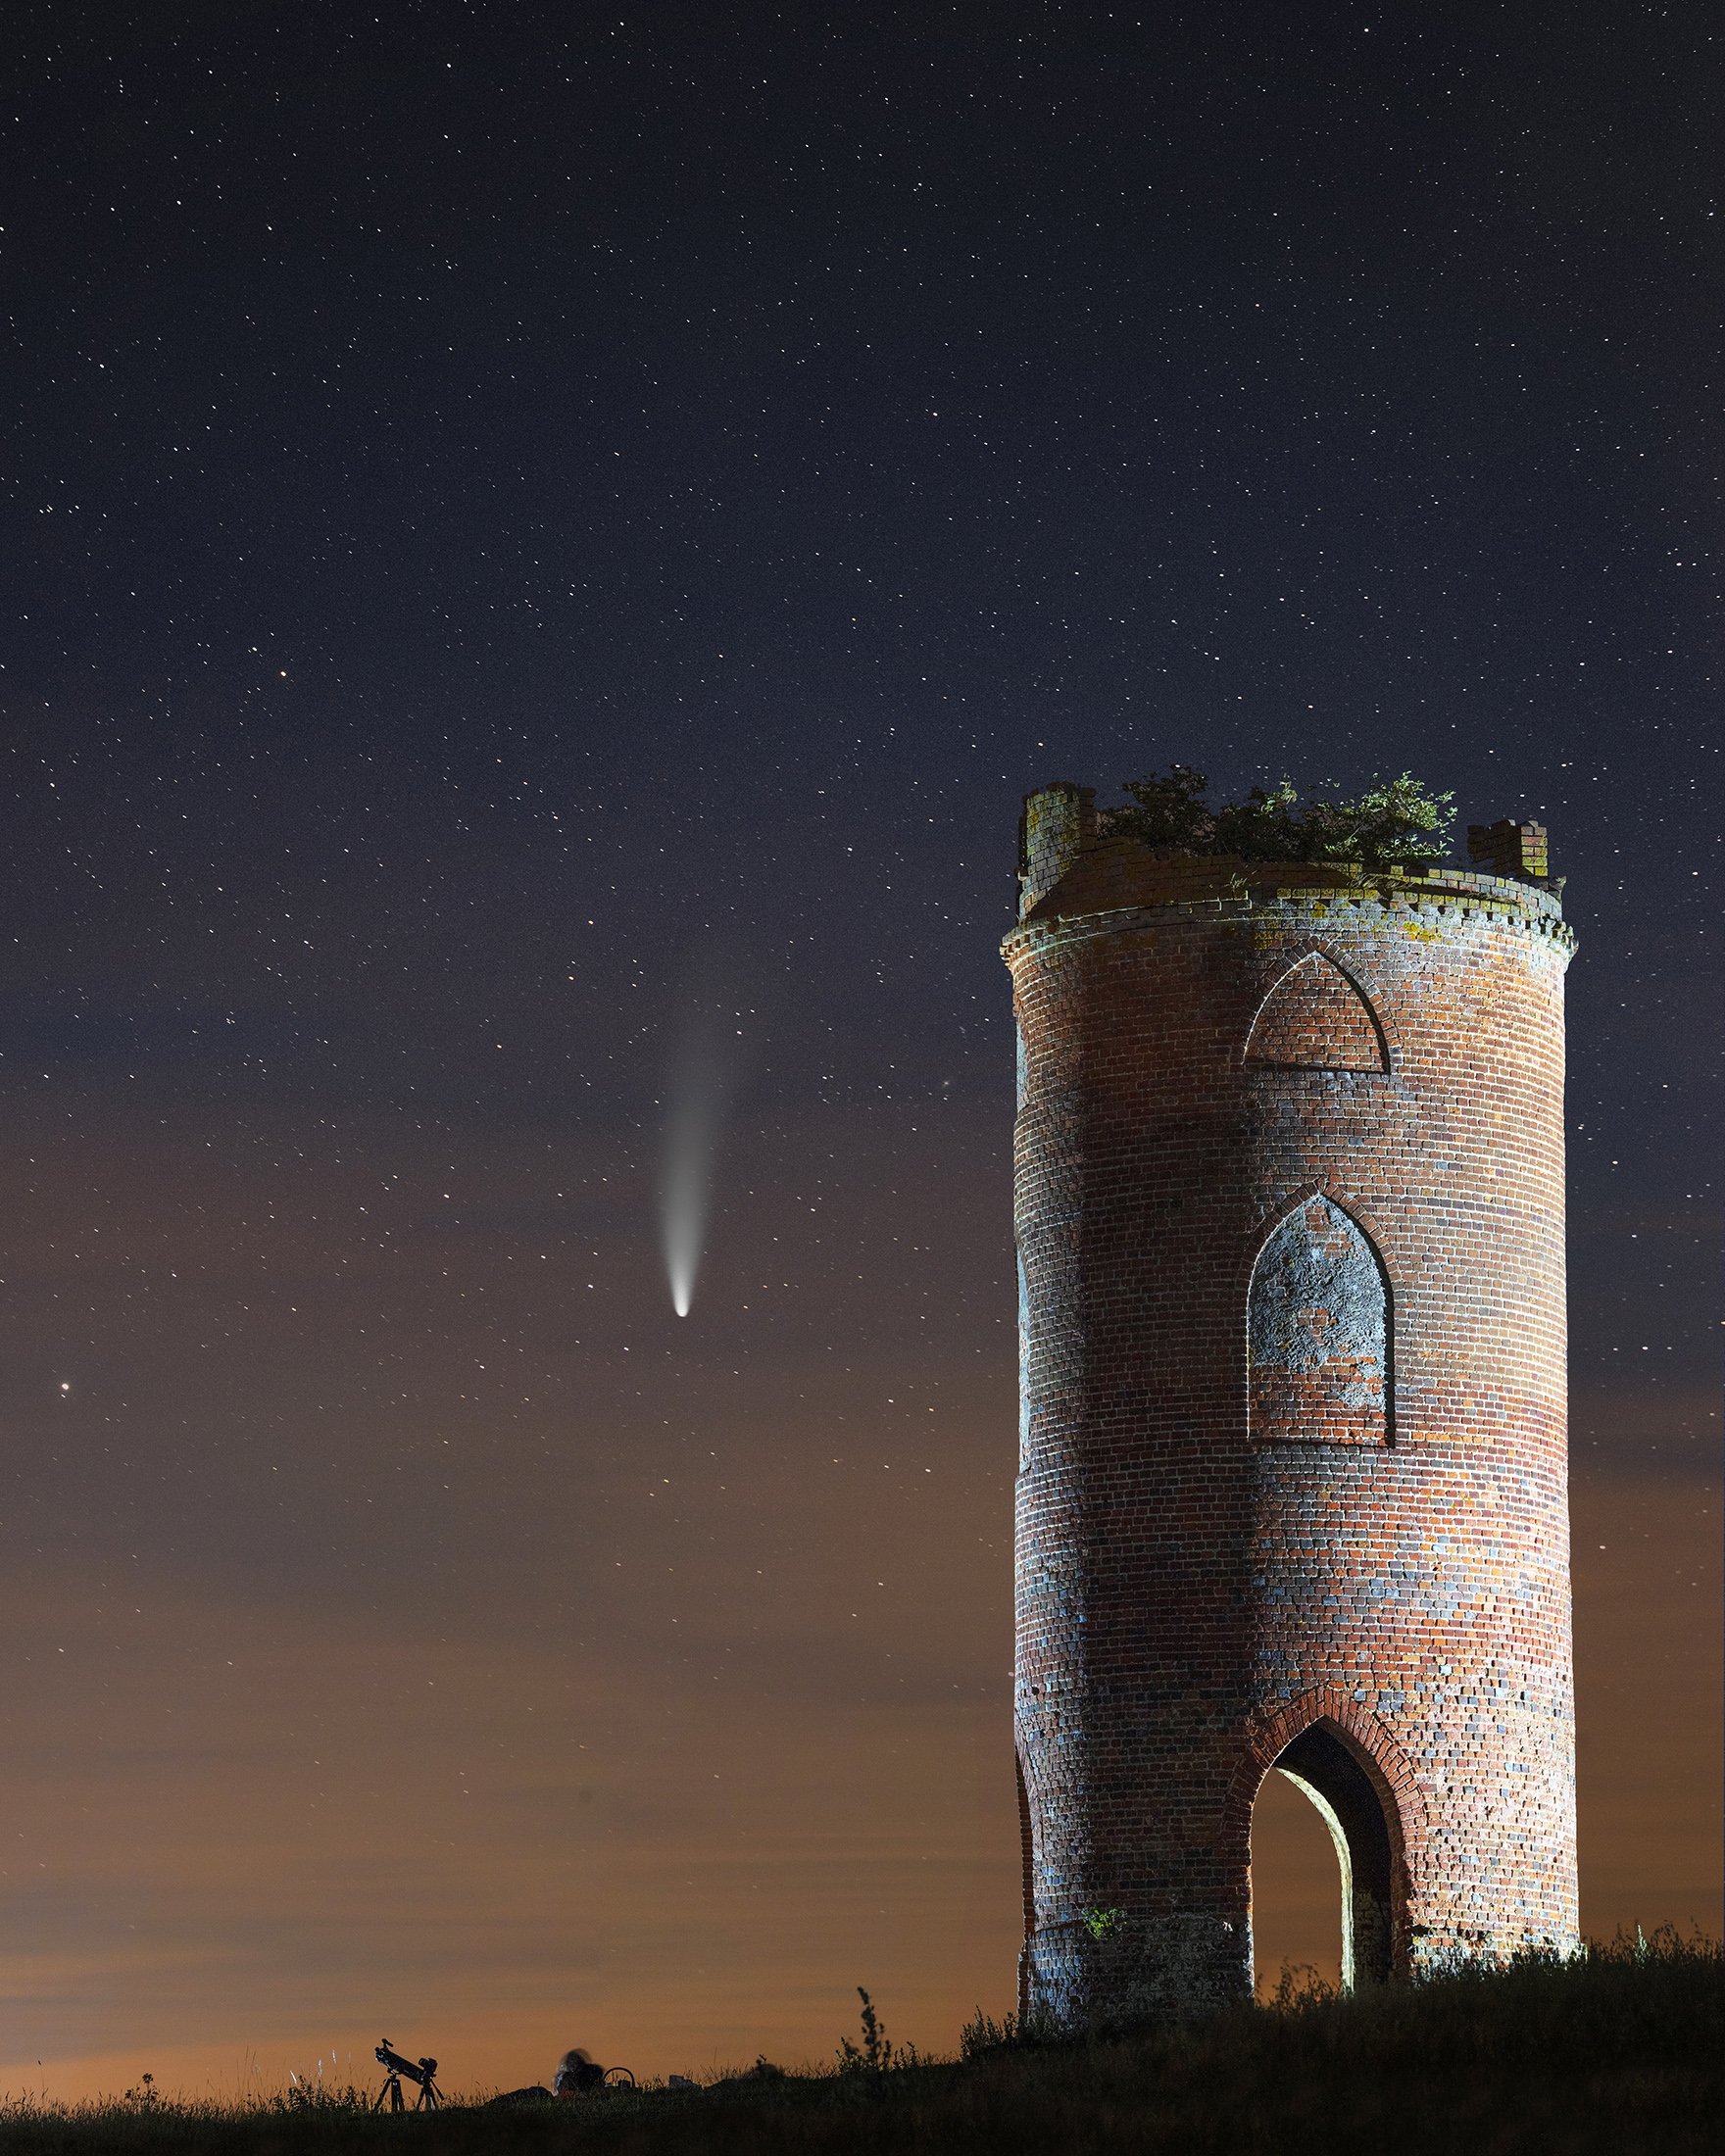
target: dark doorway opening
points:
(1327, 1773)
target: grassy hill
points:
(1622, 2051)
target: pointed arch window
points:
(1315, 1019)
(1318, 1333)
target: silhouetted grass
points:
(1622, 2051)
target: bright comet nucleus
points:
(691, 1140)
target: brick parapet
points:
(1453, 898)
(1183, 1588)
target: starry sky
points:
(542, 550)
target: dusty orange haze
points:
(505, 1666)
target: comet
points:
(694, 1121)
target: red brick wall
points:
(1197, 1582)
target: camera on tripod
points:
(396, 2071)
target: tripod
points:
(395, 2067)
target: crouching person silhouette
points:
(576, 2076)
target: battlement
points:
(1509, 849)
(1073, 858)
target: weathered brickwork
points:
(1292, 1485)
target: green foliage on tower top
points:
(1395, 824)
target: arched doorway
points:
(1328, 1775)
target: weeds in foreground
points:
(874, 2054)
(1610, 2052)
(982, 2034)
(314, 2094)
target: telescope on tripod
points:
(396, 2071)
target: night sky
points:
(543, 548)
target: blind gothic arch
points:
(1318, 1332)
(1317, 1016)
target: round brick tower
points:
(1292, 1484)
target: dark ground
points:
(1622, 2052)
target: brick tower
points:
(1292, 1484)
